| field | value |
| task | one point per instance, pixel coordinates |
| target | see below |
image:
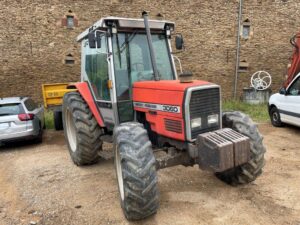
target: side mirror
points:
(94, 39)
(179, 42)
(282, 91)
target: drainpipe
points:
(238, 49)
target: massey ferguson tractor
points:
(131, 95)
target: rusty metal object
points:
(174, 159)
(241, 145)
(215, 151)
(222, 150)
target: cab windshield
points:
(132, 61)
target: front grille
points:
(203, 103)
(173, 125)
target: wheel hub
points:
(70, 129)
(275, 117)
(119, 173)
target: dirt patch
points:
(39, 183)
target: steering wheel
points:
(141, 76)
(261, 80)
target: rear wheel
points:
(249, 171)
(275, 117)
(81, 130)
(136, 171)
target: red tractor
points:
(130, 95)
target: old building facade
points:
(37, 38)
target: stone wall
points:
(34, 44)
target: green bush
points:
(258, 113)
(49, 121)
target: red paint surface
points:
(295, 66)
(85, 92)
(165, 93)
(170, 85)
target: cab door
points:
(95, 70)
(290, 104)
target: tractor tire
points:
(81, 130)
(58, 124)
(249, 171)
(275, 117)
(136, 171)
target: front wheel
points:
(275, 117)
(249, 171)
(136, 171)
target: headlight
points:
(213, 119)
(196, 123)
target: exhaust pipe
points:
(149, 38)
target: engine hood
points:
(169, 85)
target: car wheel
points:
(275, 117)
(39, 138)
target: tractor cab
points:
(116, 54)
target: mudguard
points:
(86, 94)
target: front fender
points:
(273, 101)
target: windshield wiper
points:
(124, 44)
(128, 40)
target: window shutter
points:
(64, 21)
(75, 21)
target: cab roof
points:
(126, 23)
(11, 100)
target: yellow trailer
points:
(53, 96)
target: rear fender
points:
(86, 94)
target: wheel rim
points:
(71, 132)
(275, 117)
(119, 173)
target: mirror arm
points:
(94, 38)
(178, 60)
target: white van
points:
(284, 107)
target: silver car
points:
(20, 119)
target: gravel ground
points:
(40, 185)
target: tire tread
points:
(249, 171)
(138, 170)
(88, 131)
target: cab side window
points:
(96, 68)
(295, 88)
(30, 105)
